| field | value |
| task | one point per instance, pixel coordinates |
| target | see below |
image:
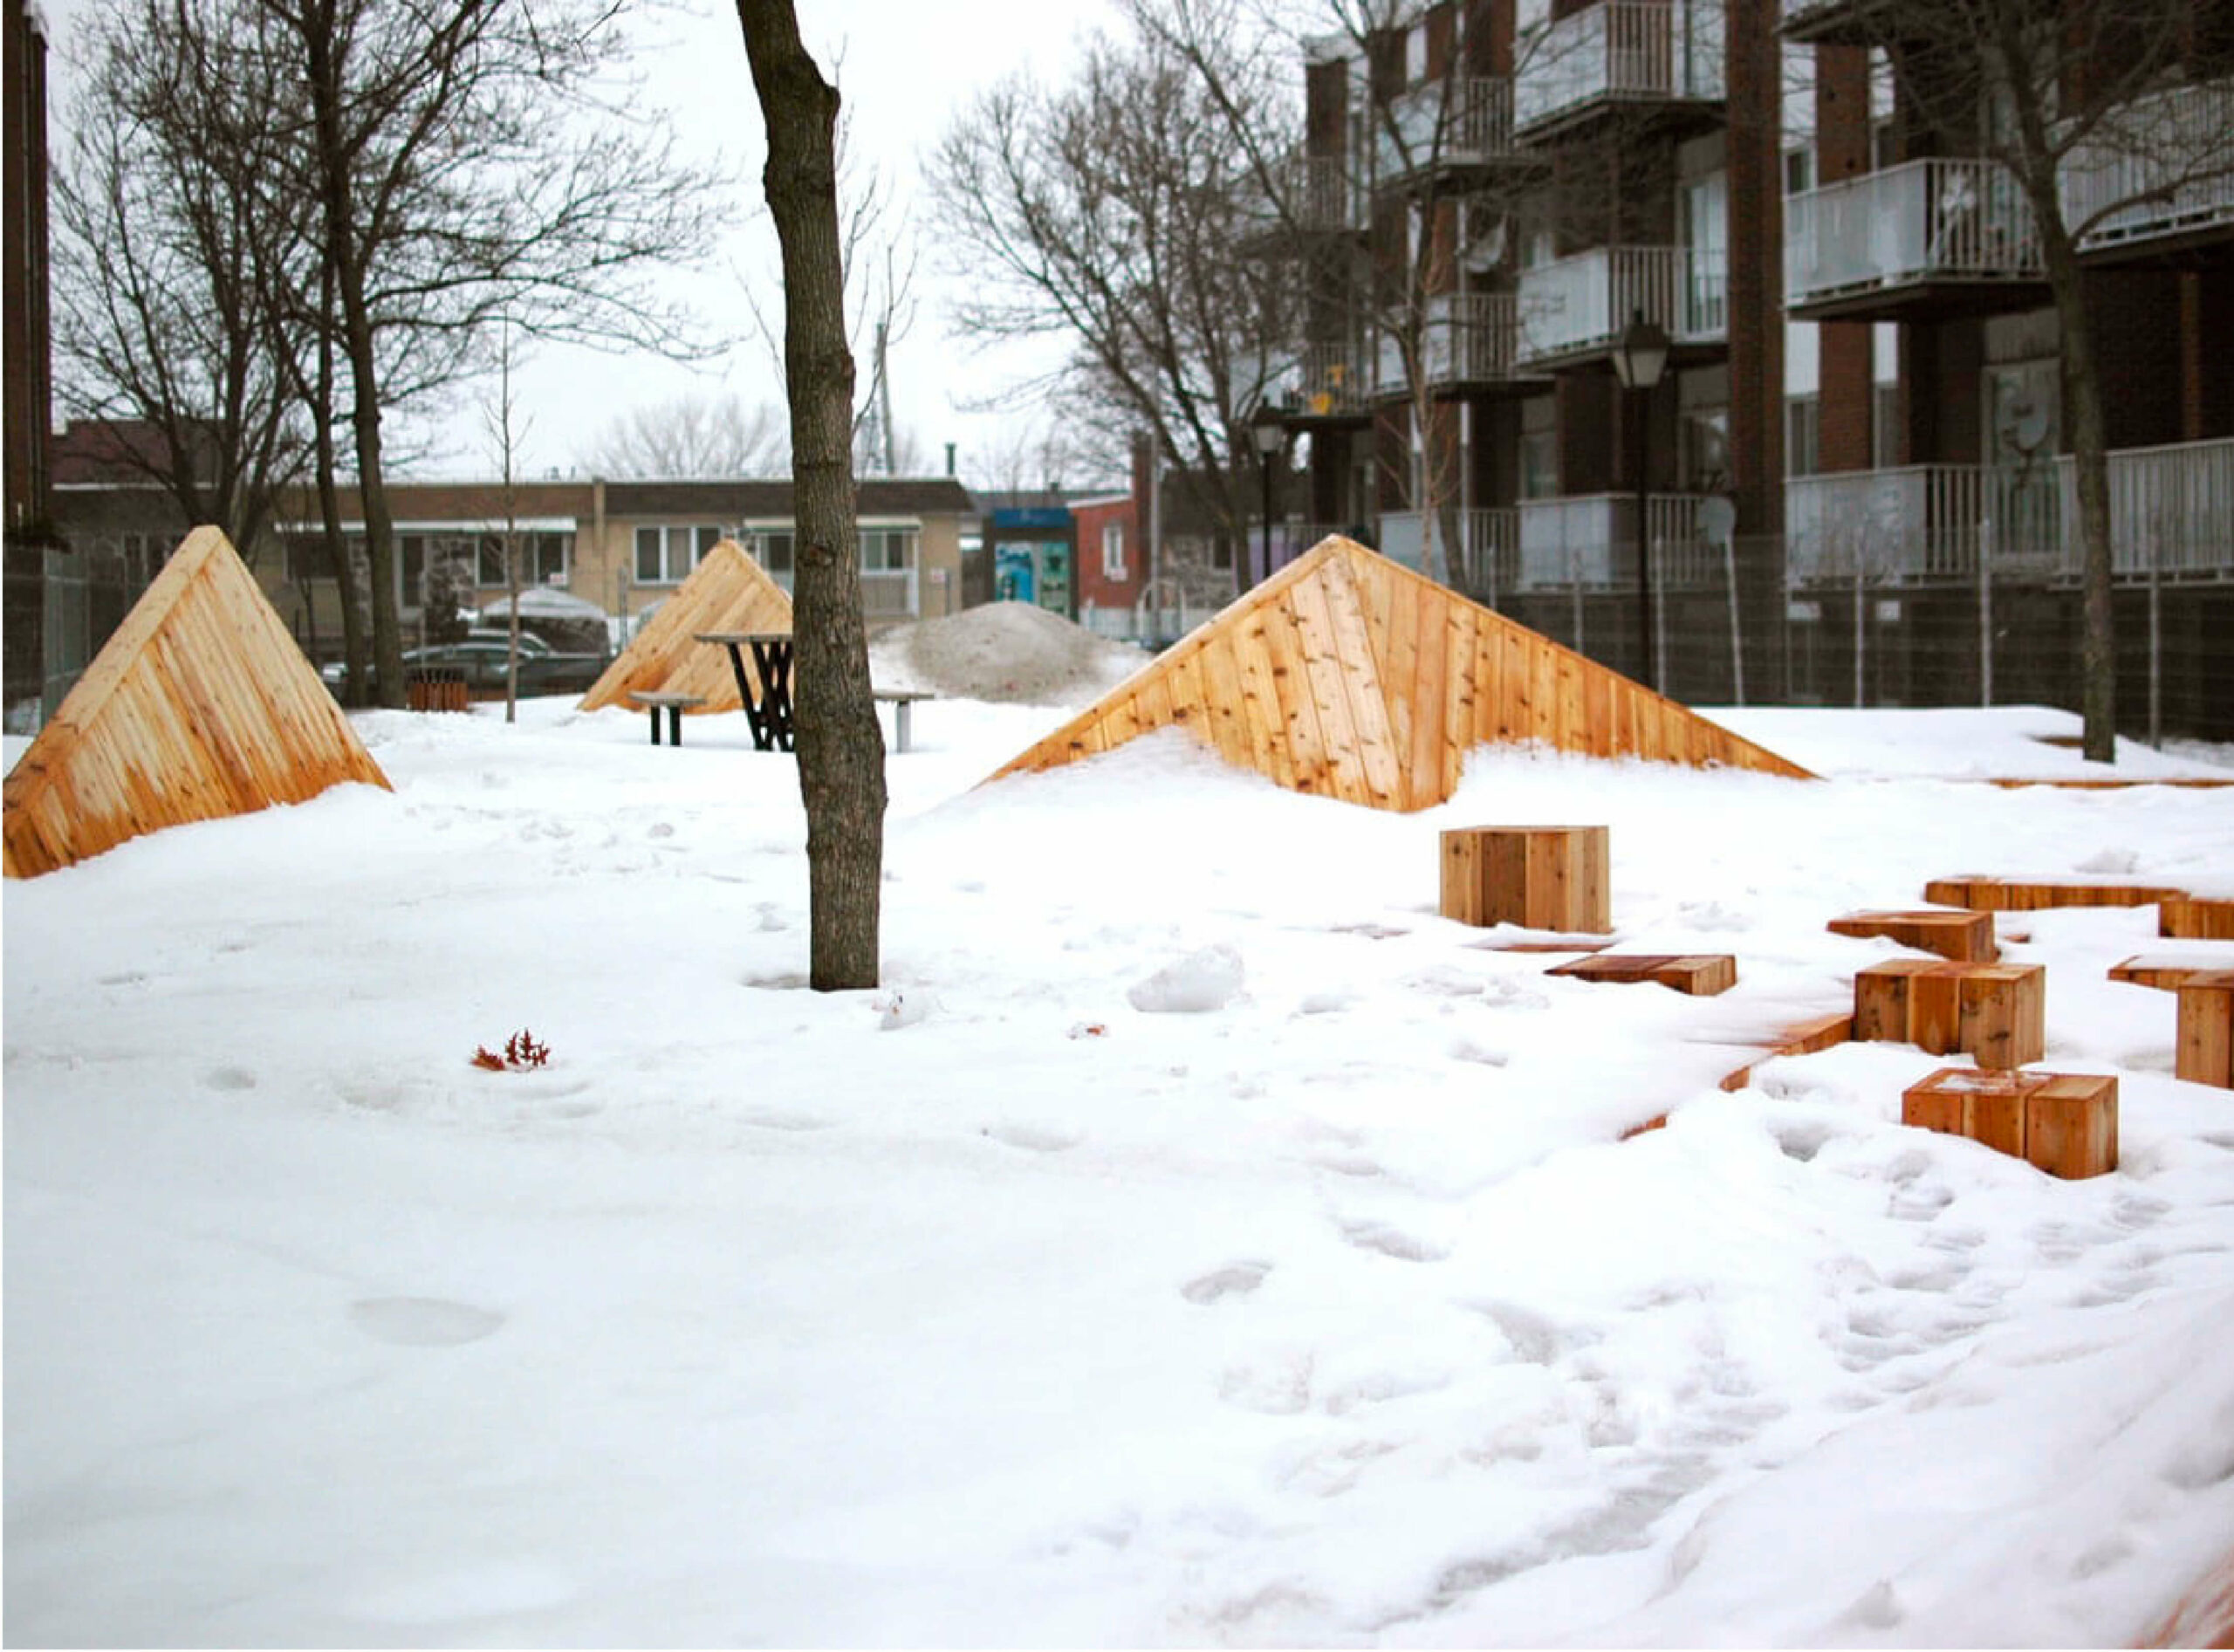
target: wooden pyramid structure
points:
(1347, 675)
(199, 706)
(728, 591)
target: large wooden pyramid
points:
(199, 706)
(728, 591)
(1347, 675)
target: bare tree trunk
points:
(355, 654)
(2082, 397)
(840, 748)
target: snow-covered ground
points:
(990, 1308)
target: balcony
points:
(1468, 341)
(1575, 308)
(1480, 547)
(1458, 124)
(1619, 53)
(2171, 512)
(1327, 383)
(1923, 238)
(1588, 542)
(1830, 23)
(2162, 170)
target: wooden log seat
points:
(1995, 1012)
(1536, 877)
(1961, 936)
(1702, 974)
(2063, 1123)
(2038, 894)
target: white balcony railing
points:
(1464, 122)
(2162, 165)
(1465, 338)
(1919, 222)
(1620, 51)
(1583, 302)
(2171, 511)
(1589, 541)
(1480, 547)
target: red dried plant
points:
(521, 1054)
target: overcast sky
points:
(904, 67)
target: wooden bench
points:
(1997, 1012)
(2041, 895)
(900, 700)
(1702, 974)
(1962, 936)
(2195, 918)
(2203, 1053)
(658, 700)
(2063, 1123)
(1536, 877)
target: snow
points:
(996, 1308)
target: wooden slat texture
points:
(726, 591)
(2191, 919)
(2204, 1051)
(1964, 936)
(1994, 1012)
(1804, 1038)
(1346, 675)
(2017, 895)
(2169, 972)
(199, 706)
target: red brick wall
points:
(1094, 585)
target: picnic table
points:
(769, 712)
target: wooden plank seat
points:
(1997, 1012)
(1700, 974)
(1953, 933)
(900, 700)
(2169, 972)
(1804, 1037)
(2063, 1123)
(1552, 877)
(2037, 894)
(675, 704)
(2204, 1053)
(2189, 918)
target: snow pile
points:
(1193, 985)
(1339, 1313)
(1002, 651)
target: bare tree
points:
(692, 436)
(841, 747)
(169, 264)
(1113, 212)
(2095, 113)
(506, 429)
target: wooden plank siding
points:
(199, 706)
(728, 591)
(1346, 675)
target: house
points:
(1852, 475)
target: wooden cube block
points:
(1965, 937)
(1538, 877)
(1701, 975)
(1988, 1108)
(1997, 1012)
(2195, 919)
(2070, 1125)
(2204, 1053)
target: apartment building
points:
(1851, 473)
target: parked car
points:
(543, 669)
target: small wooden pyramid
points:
(199, 706)
(728, 591)
(1347, 675)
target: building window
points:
(886, 549)
(1799, 171)
(1112, 551)
(776, 554)
(666, 555)
(1803, 425)
(1885, 427)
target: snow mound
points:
(1004, 651)
(1202, 982)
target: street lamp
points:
(1270, 432)
(1639, 359)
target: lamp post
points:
(1639, 359)
(1270, 432)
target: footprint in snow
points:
(1036, 1138)
(422, 1321)
(1236, 1279)
(230, 1079)
(1392, 1242)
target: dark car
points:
(481, 657)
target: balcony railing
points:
(1620, 51)
(1588, 541)
(1481, 548)
(2161, 166)
(1327, 380)
(1465, 121)
(2171, 512)
(1465, 338)
(1582, 304)
(1919, 224)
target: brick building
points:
(1862, 383)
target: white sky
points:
(905, 67)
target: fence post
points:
(2157, 638)
(1985, 610)
(1861, 615)
(1737, 652)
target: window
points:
(1112, 551)
(1799, 171)
(776, 554)
(886, 549)
(1803, 422)
(666, 555)
(1540, 448)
